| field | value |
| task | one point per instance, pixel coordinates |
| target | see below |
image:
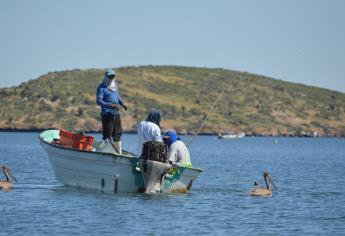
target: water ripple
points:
(310, 198)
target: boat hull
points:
(108, 172)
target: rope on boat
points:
(207, 114)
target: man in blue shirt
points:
(109, 99)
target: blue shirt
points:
(106, 97)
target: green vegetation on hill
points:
(254, 104)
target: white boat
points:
(111, 172)
(228, 136)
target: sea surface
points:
(310, 199)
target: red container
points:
(75, 140)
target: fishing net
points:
(153, 165)
(155, 151)
(153, 172)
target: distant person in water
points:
(109, 99)
(178, 153)
(149, 129)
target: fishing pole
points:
(207, 114)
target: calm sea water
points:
(308, 172)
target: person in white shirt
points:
(178, 153)
(149, 129)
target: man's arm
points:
(156, 134)
(121, 101)
(99, 99)
(172, 154)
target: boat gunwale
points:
(85, 151)
(94, 152)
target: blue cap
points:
(109, 72)
(172, 135)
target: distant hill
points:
(254, 104)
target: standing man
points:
(109, 99)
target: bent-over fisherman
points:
(178, 153)
(149, 129)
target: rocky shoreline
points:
(300, 134)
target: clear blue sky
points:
(301, 41)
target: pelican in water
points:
(257, 191)
(7, 184)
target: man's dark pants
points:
(112, 127)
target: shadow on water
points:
(70, 190)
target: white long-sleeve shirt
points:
(147, 131)
(178, 154)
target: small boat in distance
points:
(100, 167)
(231, 135)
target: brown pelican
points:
(257, 191)
(7, 184)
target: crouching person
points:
(178, 153)
(149, 130)
(152, 153)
